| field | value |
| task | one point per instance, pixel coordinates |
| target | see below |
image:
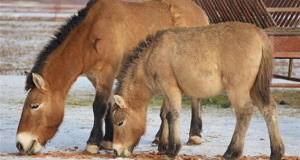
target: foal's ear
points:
(119, 101)
(38, 81)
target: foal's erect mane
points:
(59, 37)
(131, 61)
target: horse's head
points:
(129, 126)
(41, 116)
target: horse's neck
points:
(63, 68)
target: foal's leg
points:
(172, 99)
(270, 114)
(104, 85)
(164, 128)
(158, 134)
(243, 107)
(196, 122)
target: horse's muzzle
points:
(26, 144)
(28, 151)
(20, 147)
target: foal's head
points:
(41, 116)
(129, 125)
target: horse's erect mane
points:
(59, 37)
(138, 52)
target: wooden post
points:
(55, 12)
(291, 67)
(56, 8)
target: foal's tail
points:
(263, 80)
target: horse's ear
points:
(119, 101)
(38, 81)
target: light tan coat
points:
(198, 62)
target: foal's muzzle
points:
(120, 151)
(116, 152)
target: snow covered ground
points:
(218, 124)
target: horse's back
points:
(114, 27)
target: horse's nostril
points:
(116, 152)
(20, 147)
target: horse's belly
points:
(201, 84)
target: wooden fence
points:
(50, 10)
(279, 18)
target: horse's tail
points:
(265, 73)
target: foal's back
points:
(205, 61)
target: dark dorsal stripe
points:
(59, 37)
(138, 52)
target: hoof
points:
(161, 152)
(155, 142)
(91, 149)
(162, 147)
(106, 145)
(173, 150)
(165, 157)
(194, 140)
(276, 157)
(233, 155)
(277, 152)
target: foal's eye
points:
(34, 106)
(120, 123)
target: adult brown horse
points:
(198, 62)
(94, 44)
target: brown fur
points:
(200, 62)
(94, 44)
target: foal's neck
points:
(135, 89)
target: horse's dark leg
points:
(104, 85)
(93, 147)
(96, 136)
(158, 134)
(270, 115)
(243, 107)
(108, 137)
(196, 122)
(163, 139)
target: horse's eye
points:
(35, 106)
(120, 123)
